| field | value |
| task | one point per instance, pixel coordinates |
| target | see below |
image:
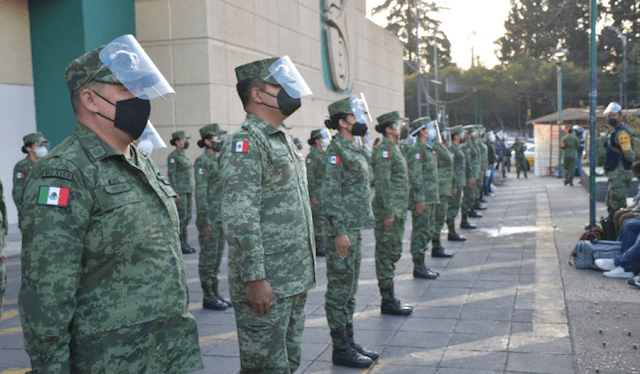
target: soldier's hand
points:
(420, 207)
(472, 182)
(454, 192)
(388, 222)
(313, 201)
(342, 244)
(260, 296)
(177, 199)
(207, 230)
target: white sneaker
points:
(605, 263)
(618, 272)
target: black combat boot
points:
(215, 292)
(479, 207)
(474, 214)
(420, 270)
(345, 355)
(392, 306)
(453, 235)
(465, 223)
(437, 250)
(319, 247)
(363, 351)
(186, 249)
(210, 300)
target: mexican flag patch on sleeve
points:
(418, 156)
(242, 146)
(50, 195)
(19, 175)
(334, 160)
(385, 154)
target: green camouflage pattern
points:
(458, 182)
(440, 216)
(88, 67)
(419, 122)
(180, 172)
(103, 277)
(521, 161)
(212, 129)
(388, 252)
(423, 174)
(389, 117)
(472, 166)
(257, 69)
(35, 137)
(601, 151)
(271, 344)
(316, 163)
(208, 204)
(340, 106)
(445, 168)
(390, 181)
(180, 135)
(346, 193)
(423, 226)
(484, 155)
(20, 173)
(4, 226)
(570, 146)
(618, 189)
(455, 130)
(266, 213)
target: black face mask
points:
(217, 145)
(358, 129)
(286, 103)
(185, 145)
(613, 121)
(132, 115)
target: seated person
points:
(627, 263)
(632, 211)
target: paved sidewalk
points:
(500, 305)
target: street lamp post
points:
(559, 54)
(622, 37)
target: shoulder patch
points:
(385, 154)
(625, 141)
(97, 151)
(201, 171)
(308, 160)
(172, 160)
(418, 156)
(56, 173)
(54, 196)
(242, 146)
(19, 175)
(334, 160)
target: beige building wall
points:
(17, 105)
(198, 43)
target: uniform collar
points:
(95, 147)
(263, 125)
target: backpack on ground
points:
(586, 252)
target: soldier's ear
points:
(88, 100)
(255, 94)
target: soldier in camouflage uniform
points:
(570, 145)
(445, 179)
(390, 209)
(346, 207)
(3, 237)
(208, 201)
(521, 161)
(483, 152)
(423, 195)
(316, 162)
(458, 182)
(180, 172)
(103, 278)
(267, 221)
(36, 147)
(618, 159)
(472, 177)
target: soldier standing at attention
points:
(570, 145)
(472, 175)
(521, 161)
(390, 209)
(4, 225)
(316, 162)
(208, 201)
(180, 172)
(618, 159)
(346, 206)
(444, 160)
(458, 182)
(103, 279)
(483, 153)
(423, 195)
(36, 147)
(267, 219)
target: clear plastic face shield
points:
(288, 76)
(325, 138)
(491, 136)
(136, 71)
(613, 107)
(42, 144)
(463, 136)
(360, 108)
(357, 140)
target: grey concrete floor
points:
(507, 302)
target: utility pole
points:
(437, 82)
(622, 37)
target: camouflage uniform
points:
(316, 163)
(458, 182)
(346, 207)
(471, 172)
(570, 145)
(180, 173)
(521, 161)
(445, 179)
(617, 166)
(20, 173)
(208, 202)
(267, 221)
(483, 153)
(3, 235)
(390, 201)
(601, 151)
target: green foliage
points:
(633, 122)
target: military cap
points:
(88, 67)
(455, 130)
(469, 128)
(179, 135)
(212, 129)
(389, 117)
(33, 138)
(419, 122)
(340, 106)
(315, 133)
(257, 69)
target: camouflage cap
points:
(257, 69)
(455, 130)
(212, 129)
(35, 137)
(419, 122)
(315, 133)
(340, 106)
(179, 135)
(469, 128)
(389, 117)
(86, 68)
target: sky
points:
(467, 24)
